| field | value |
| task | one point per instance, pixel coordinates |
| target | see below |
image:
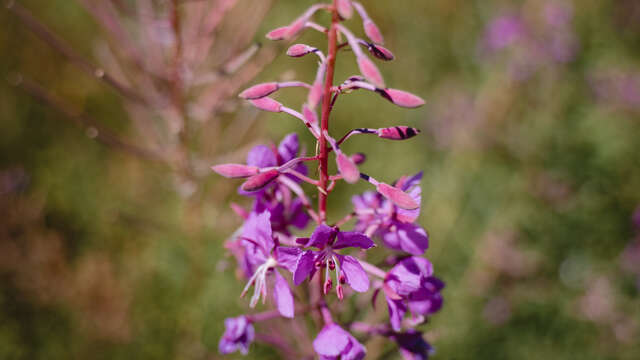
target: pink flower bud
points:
(309, 115)
(267, 104)
(299, 50)
(402, 98)
(347, 168)
(315, 94)
(397, 196)
(344, 8)
(257, 182)
(398, 132)
(370, 71)
(358, 158)
(239, 210)
(380, 52)
(235, 170)
(372, 31)
(296, 27)
(277, 34)
(259, 91)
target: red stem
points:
(326, 110)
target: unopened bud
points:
(259, 91)
(402, 98)
(259, 181)
(380, 52)
(397, 196)
(267, 104)
(277, 34)
(347, 168)
(398, 132)
(315, 94)
(295, 27)
(309, 115)
(299, 50)
(340, 291)
(370, 71)
(327, 286)
(358, 158)
(372, 31)
(235, 170)
(345, 10)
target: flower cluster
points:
(330, 259)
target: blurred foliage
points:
(532, 171)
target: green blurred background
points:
(530, 147)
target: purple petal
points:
(299, 217)
(258, 229)
(356, 276)
(424, 302)
(331, 341)
(353, 239)
(397, 309)
(262, 156)
(321, 236)
(287, 257)
(288, 148)
(354, 351)
(407, 237)
(304, 266)
(283, 296)
(238, 335)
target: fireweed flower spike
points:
(275, 245)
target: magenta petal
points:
(353, 239)
(258, 229)
(278, 34)
(283, 296)
(266, 104)
(259, 181)
(397, 309)
(397, 196)
(403, 98)
(372, 31)
(321, 236)
(235, 170)
(407, 237)
(370, 71)
(259, 91)
(304, 267)
(288, 147)
(347, 168)
(287, 257)
(262, 156)
(331, 341)
(356, 276)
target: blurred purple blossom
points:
(238, 335)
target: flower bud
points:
(309, 115)
(259, 91)
(402, 98)
(358, 158)
(347, 168)
(380, 52)
(299, 50)
(267, 104)
(296, 27)
(345, 10)
(235, 170)
(372, 31)
(315, 94)
(397, 196)
(398, 132)
(259, 181)
(277, 34)
(370, 71)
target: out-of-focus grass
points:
(530, 185)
